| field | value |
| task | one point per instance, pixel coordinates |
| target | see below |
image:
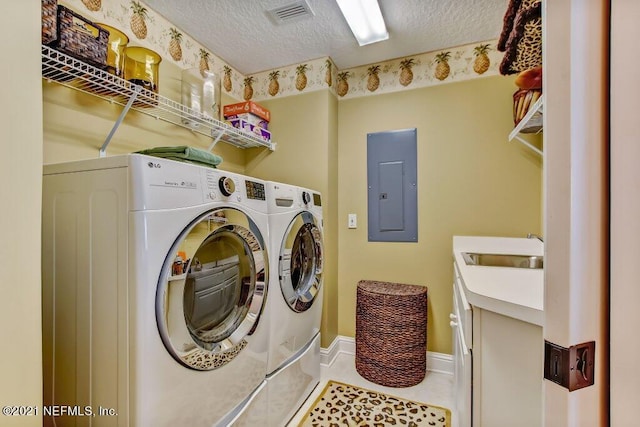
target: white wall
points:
(20, 216)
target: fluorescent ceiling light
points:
(365, 20)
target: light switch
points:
(353, 221)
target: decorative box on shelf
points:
(251, 128)
(249, 117)
(246, 107)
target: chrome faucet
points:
(534, 236)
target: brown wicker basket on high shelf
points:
(78, 37)
(49, 20)
(391, 333)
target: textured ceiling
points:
(242, 34)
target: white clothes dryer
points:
(295, 299)
(155, 275)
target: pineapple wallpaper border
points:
(147, 28)
(420, 70)
(426, 69)
(460, 63)
(310, 76)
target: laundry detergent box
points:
(249, 128)
(250, 118)
(232, 111)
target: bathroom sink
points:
(503, 260)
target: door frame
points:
(625, 212)
(575, 62)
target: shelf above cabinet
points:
(78, 75)
(530, 123)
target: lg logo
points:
(154, 165)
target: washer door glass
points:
(301, 258)
(212, 289)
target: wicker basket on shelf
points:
(78, 37)
(391, 333)
(49, 20)
(523, 100)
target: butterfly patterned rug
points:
(342, 404)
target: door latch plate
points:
(573, 368)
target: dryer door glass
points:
(212, 289)
(301, 258)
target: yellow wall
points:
(471, 181)
(330, 313)
(20, 218)
(305, 129)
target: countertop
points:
(513, 292)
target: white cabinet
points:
(498, 359)
(507, 371)
(462, 369)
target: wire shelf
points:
(78, 75)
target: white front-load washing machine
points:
(295, 299)
(155, 276)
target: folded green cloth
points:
(185, 154)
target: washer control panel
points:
(226, 185)
(221, 186)
(212, 186)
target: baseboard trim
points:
(440, 362)
(436, 362)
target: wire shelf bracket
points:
(116, 125)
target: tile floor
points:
(436, 388)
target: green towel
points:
(183, 153)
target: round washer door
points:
(212, 289)
(301, 259)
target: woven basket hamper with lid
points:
(391, 333)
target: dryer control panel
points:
(231, 187)
(255, 190)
